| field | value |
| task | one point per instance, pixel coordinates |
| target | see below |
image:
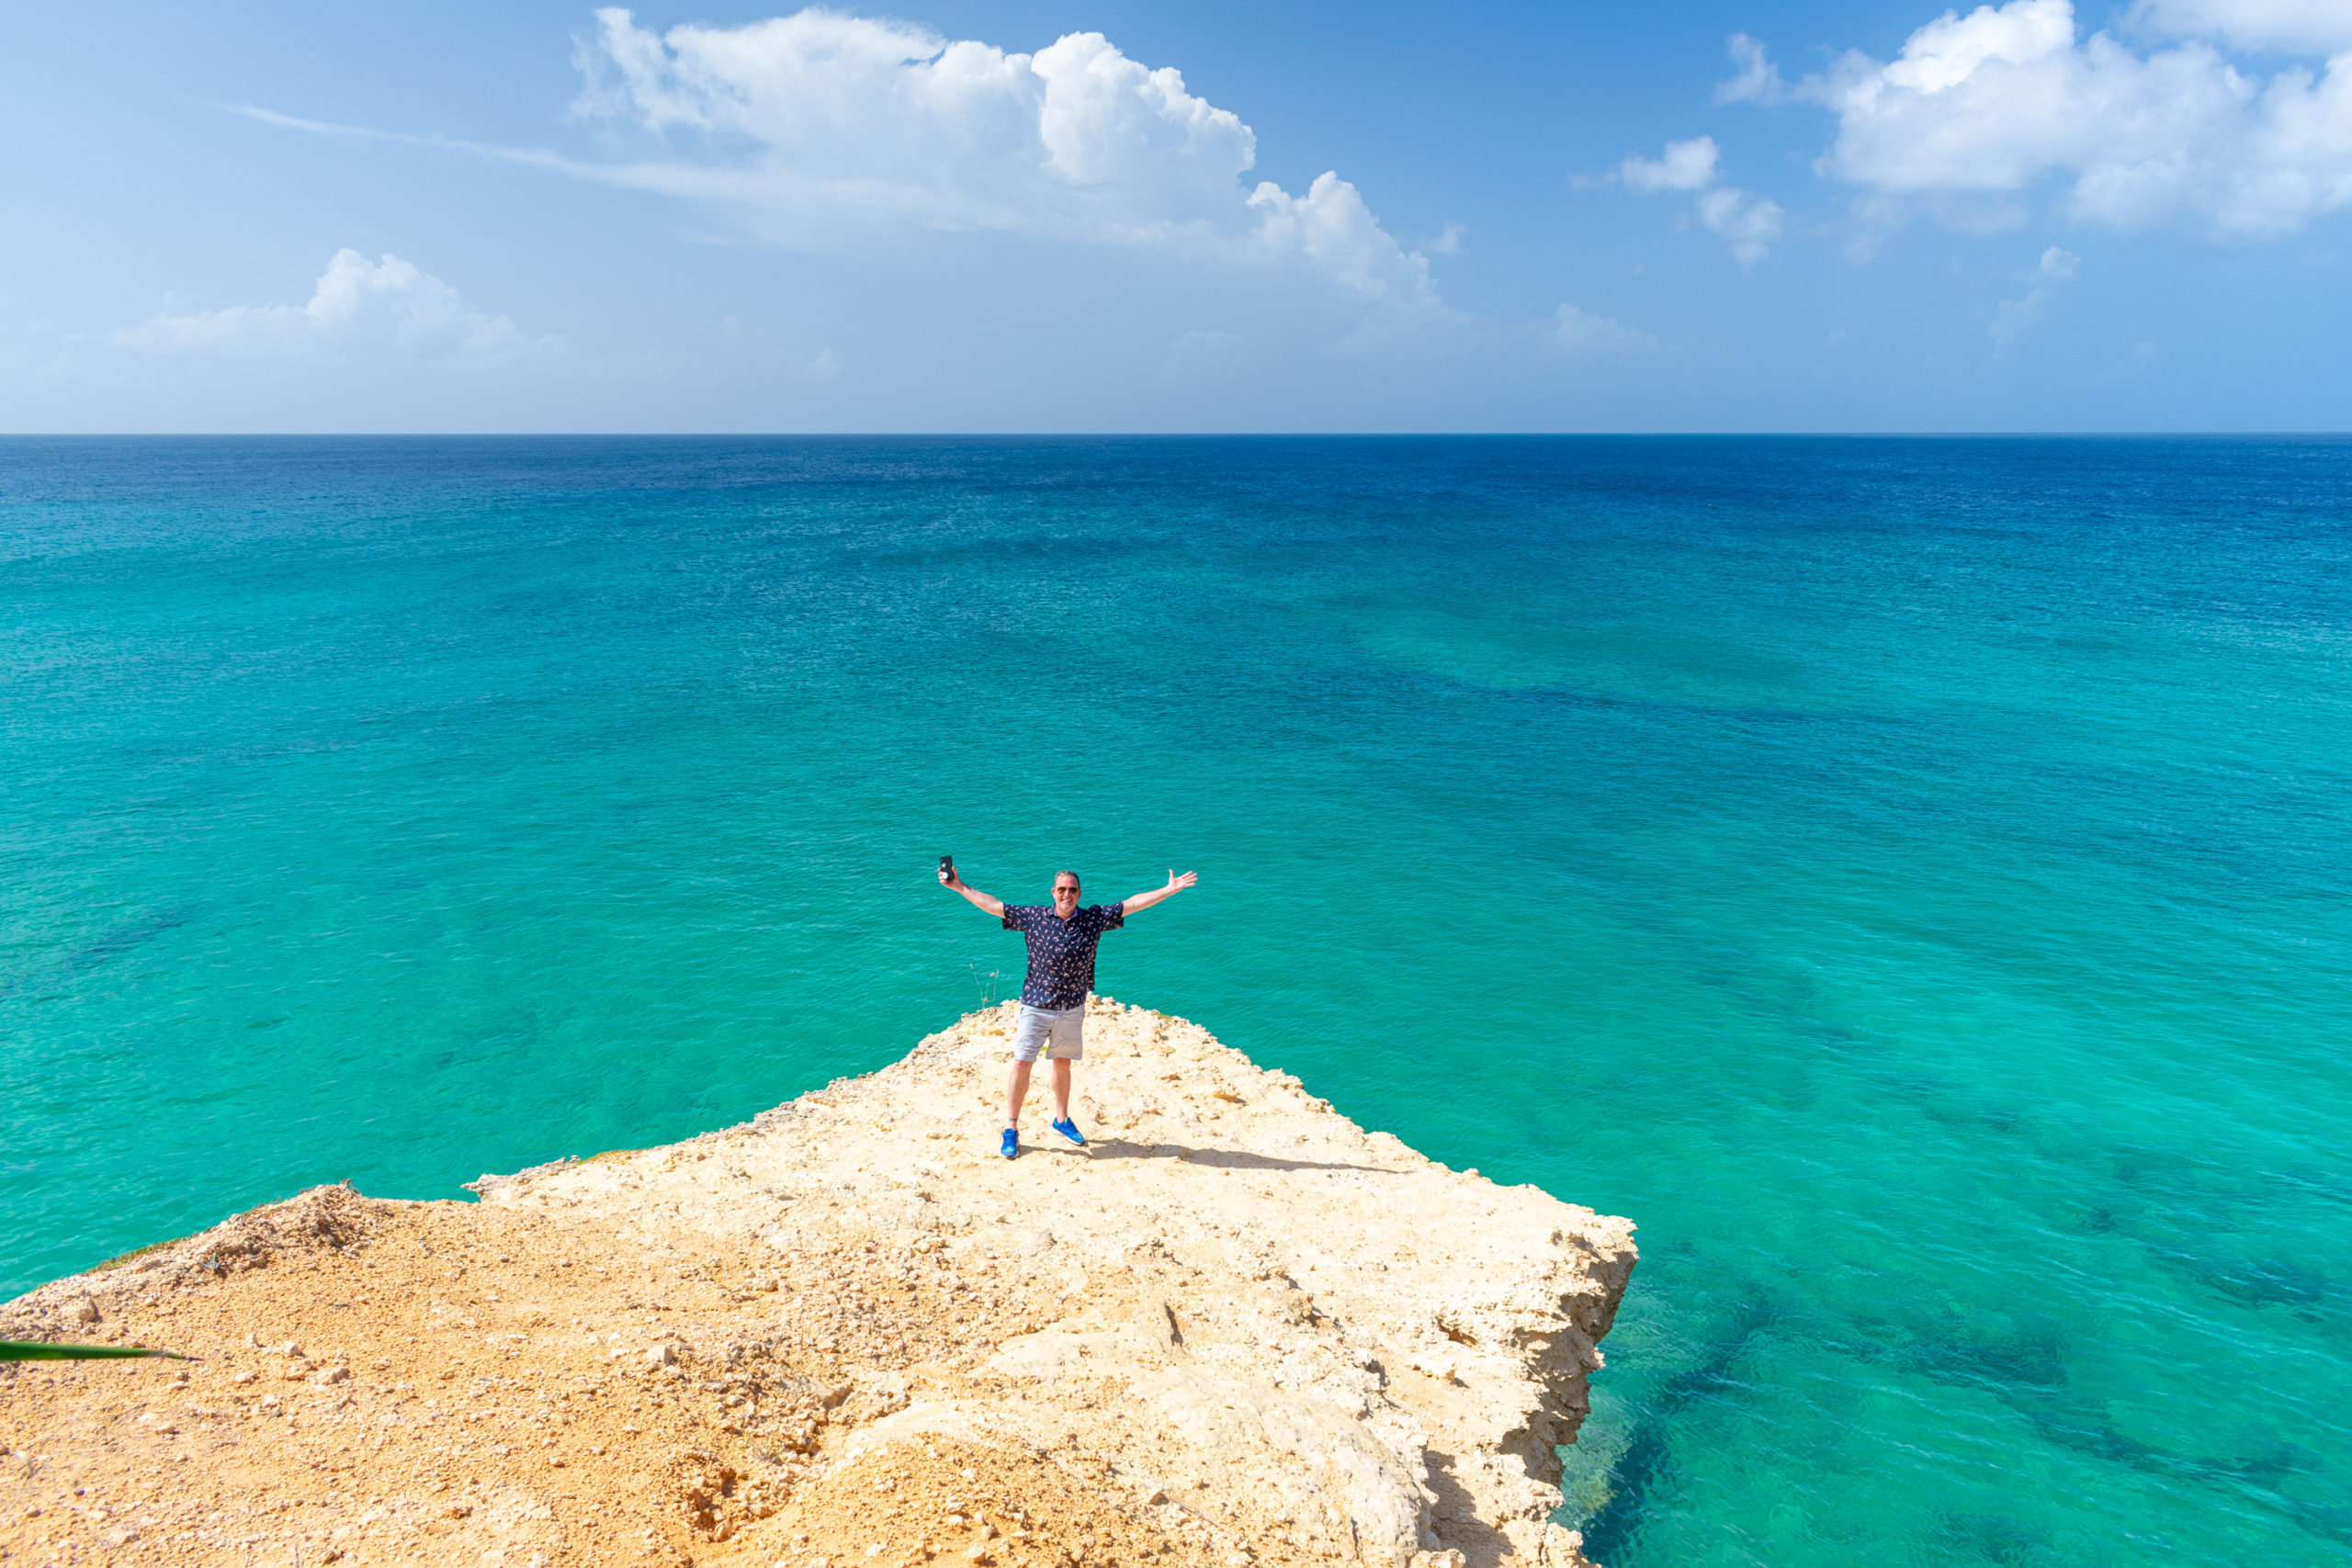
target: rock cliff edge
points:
(1236, 1328)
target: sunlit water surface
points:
(1906, 878)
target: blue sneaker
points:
(1011, 1144)
(1070, 1130)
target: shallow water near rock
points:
(1904, 877)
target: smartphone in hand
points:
(948, 868)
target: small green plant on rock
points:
(33, 1350)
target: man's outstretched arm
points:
(993, 906)
(1145, 900)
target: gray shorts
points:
(1061, 1031)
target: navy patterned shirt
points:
(1061, 953)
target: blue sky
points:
(1074, 217)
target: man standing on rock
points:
(1053, 996)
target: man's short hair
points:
(1072, 875)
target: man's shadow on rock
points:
(1223, 1160)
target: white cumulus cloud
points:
(806, 128)
(1749, 223)
(1332, 228)
(357, 308)
(1985, 106)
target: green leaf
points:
(26, 1350)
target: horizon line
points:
(2142, 435)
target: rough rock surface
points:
(1236, 1328)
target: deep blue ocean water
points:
(1907, 877)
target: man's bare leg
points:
(1016, 1090)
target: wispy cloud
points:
(1749, 223)
(532, 156)
(1686, 166)
(1583, 335)
(2012, 317)
(2291, 27)
(357, 309)
(1758, 81)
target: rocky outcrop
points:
(1235, 1328)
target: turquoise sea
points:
(1907, 877)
